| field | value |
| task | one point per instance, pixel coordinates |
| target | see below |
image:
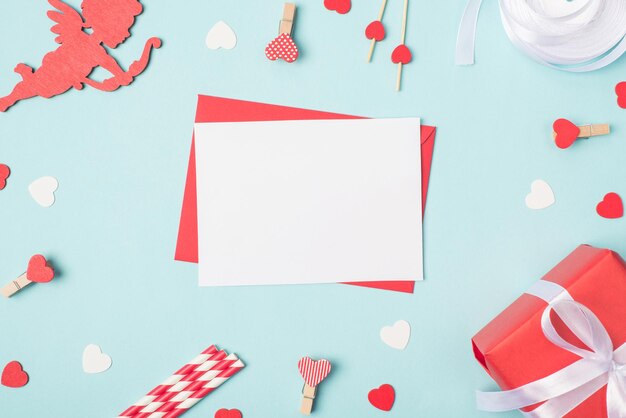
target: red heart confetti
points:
(375, 30)
(5, 172)
(38, 270)
(401, 54)
(566, 133)
(620, 90)
(282, 47)
(13, 375)
(340, 6)
(383, 397)
(228, 413)
(313, 372)
(611, 206)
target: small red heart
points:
(313, 372)
(13, 375)
(5, 172)
(282, 47)
(228, 413)
(340, 6)
(375, 30)
(401, 55)
(611, 206)
(620, 90)
(383, 397)
(565, 133)
(38, 270)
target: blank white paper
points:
(322, 201)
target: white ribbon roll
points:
(576, 36)
(567, 388)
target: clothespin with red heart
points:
(313, 372)
(38, 271)
(283, 46)
(565, 132)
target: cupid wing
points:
(68, 21)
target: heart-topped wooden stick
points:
(313, 372)
(401, 54)
(375, 30)
(38, 271)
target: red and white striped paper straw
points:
(204, 390)
(169, 382)
(165, 397)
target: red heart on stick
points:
(313, 372)
(620, 90)
(282, 47)
(611, 206)
(13, 375)
(566, 133)
(38, 270)
(401, 55)
(5, 172)
(228, 413)
(340, 6)
(383, 397)
(375, 30)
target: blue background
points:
(121, 161)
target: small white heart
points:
(396, 336)
(221, 36)
(94, 360)
(540, 196)
(42, 190)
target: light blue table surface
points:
(121, 161)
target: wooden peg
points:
(587, 131)
(308, 394)
(289, 15)
(15, 286)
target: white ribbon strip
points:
(576, 36)
(567, 388)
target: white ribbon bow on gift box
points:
(569, 387)
(576, 36)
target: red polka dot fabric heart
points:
(565, 133)
(313, 372)
(282, 47)
(611, 207)
(401, 54)
(620, 90)
(228, 413)
(383, 397)
(5, 172)
(38, 270)
(13, 375)
(340, 6)
(375, 30)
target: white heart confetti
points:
(540, 196)
(94, 360)
(396, 336)
(221, 36)
(42, 190)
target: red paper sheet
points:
(218, 109)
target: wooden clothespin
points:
(565, 132)
(313, 372)
(289, 16)
(283, 46)
(38, 271)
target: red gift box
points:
(513, 349)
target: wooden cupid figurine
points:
(80, 52)
(313, 372)
(38, 271)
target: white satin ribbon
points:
(567, 388)
(576, 36)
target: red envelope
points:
(218, 109)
